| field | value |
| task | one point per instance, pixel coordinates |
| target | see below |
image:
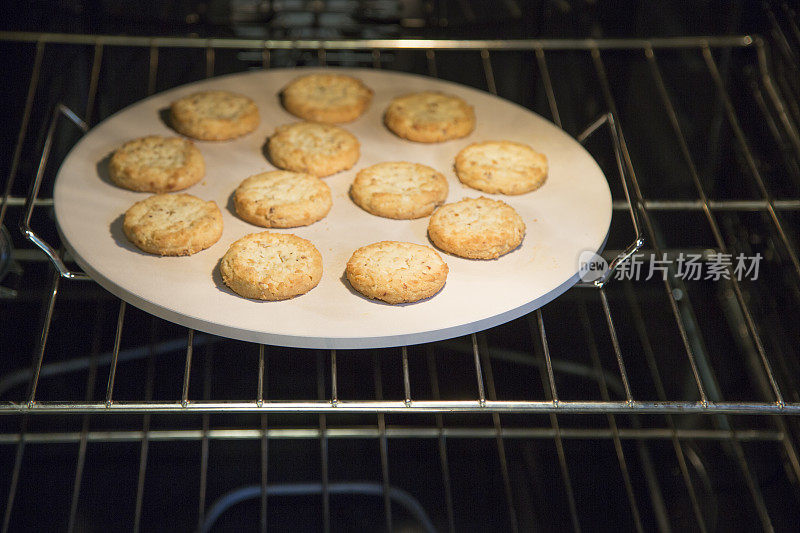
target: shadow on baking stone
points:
(163, 115)
(265, 153)
(230, 205)
(346, 283)
(118, 234)
(216, 275)
(103, 169)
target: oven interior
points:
(647, 404)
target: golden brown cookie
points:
(430, 117)
(214, 115)
(501, 167)
(318, 149)
(399, 190)
(173, 224)
(476, 228)
(282, 199)
(331, 98)
(157, 164)
(271, 266)
(396, 272)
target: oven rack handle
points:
(30, 201)
(607, 119)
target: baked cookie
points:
(282, 199)
(318, 149)
(430, 117)
(328, 98)
(476, 228)
(396, 272)
(271, 266)
(501, 167)
(157, 164)
(399, 190)
(214, 115)
(173, 224)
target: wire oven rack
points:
(644, 355)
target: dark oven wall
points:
(659, 404)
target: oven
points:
(663, 396)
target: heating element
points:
(646, 400)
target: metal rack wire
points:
(596, 314)
(638, 206)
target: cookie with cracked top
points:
(476, 228)
(430, 117)
(503, 167)
(312, 147)
(282, 199)
(271, 266)
(326, 97)
(156, 164)
(173, 224)
(399, 190)
(214, 115)
(396, 272)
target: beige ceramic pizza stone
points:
(569, 214)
